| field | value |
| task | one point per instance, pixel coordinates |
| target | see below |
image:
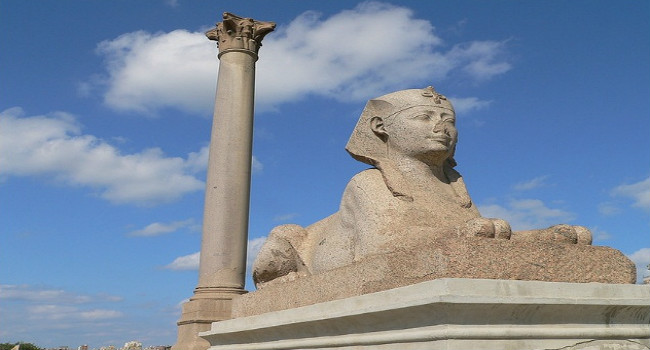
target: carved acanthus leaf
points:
(239, 33)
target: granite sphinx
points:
(413, 202)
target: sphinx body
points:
(411, 193)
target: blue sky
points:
(105, 115)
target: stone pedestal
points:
(436, 258)
(455, 314)
(199, 313)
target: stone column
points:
(222, 269)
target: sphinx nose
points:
(440, 127)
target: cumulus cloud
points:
(53, 145)
(150, 71)
(191, 261)
(639, 192)
(160, 228)
(531, 184)
(526, 214)
(641, 259)
(351, 56)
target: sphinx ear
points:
(377, 126)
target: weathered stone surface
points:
(456, 314)
(428, 259)
(414, 197)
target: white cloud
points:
(639, 192)
(254, 246)
(198, 161)
(641, 259)
(39, 294)
(150, 71)
(608, 209)
(525, 214)
(69, 313)
(51, 311)
(24, 292)
(464, 105)
(351, 56)
(191, 261)
(26, 308)
(100, 314)
(256, 165)
(160, 228)
(354, 55)
(531, 184)
(53, 145)
(186, 262)
(599, 235)
(480, 59)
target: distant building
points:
(132, 345)
(83, 347)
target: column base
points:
(206, 306)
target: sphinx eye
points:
(448, 119)
(422, 117)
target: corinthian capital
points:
(239, 34)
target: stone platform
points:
(452, 313)
(429, 259)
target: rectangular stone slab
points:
(471, 257)
(455, 314)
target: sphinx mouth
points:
(439, 138)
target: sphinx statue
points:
(411, 193)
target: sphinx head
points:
(416, 123)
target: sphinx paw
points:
(277, 258)
(486, 227)
(570, 234)
(562, 233)
(584, 235)
(501, 229)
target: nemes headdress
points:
(368, 148)
(364, 145)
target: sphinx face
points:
(422, 132)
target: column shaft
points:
(227, 194)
